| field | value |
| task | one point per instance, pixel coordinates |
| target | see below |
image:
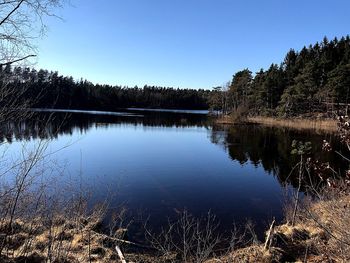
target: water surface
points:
(157, 164)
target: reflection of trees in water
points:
(258, 145)
(50, 126)
(271, 147)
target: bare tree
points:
(21, 21)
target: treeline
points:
(46, 89)
(316, 79)
(313, 80)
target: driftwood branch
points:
(122, 241)
(269, 236)
(120, 254)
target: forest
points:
(47, 89)
(313, 80)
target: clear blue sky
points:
(183, 43)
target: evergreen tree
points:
(240, 88)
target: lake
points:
(156, 164)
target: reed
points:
(224, 119)
(328, 125)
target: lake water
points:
(157, 164)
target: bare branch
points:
(13, 10)
(16, 60)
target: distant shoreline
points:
(170, 110)
(121, 111)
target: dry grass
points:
(253, 253)
(332, 216)
(66, 241)
(224, 119)
(67, 245)
(320, 234)
(322, 231)
(329, 125)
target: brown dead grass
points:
(225, 119)
(321, 234)
(254, 253)
(325, 125)
(328, 125)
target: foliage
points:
(51, 90)
(316, 79)
(300, 148)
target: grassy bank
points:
(297, 123)
(329, 125)
(320, 234)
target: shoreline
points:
(328, 125)
(80, 238)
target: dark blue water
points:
(158, 164)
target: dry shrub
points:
(332, 217)
(321, 231)
(186, 240)
(240, 114)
